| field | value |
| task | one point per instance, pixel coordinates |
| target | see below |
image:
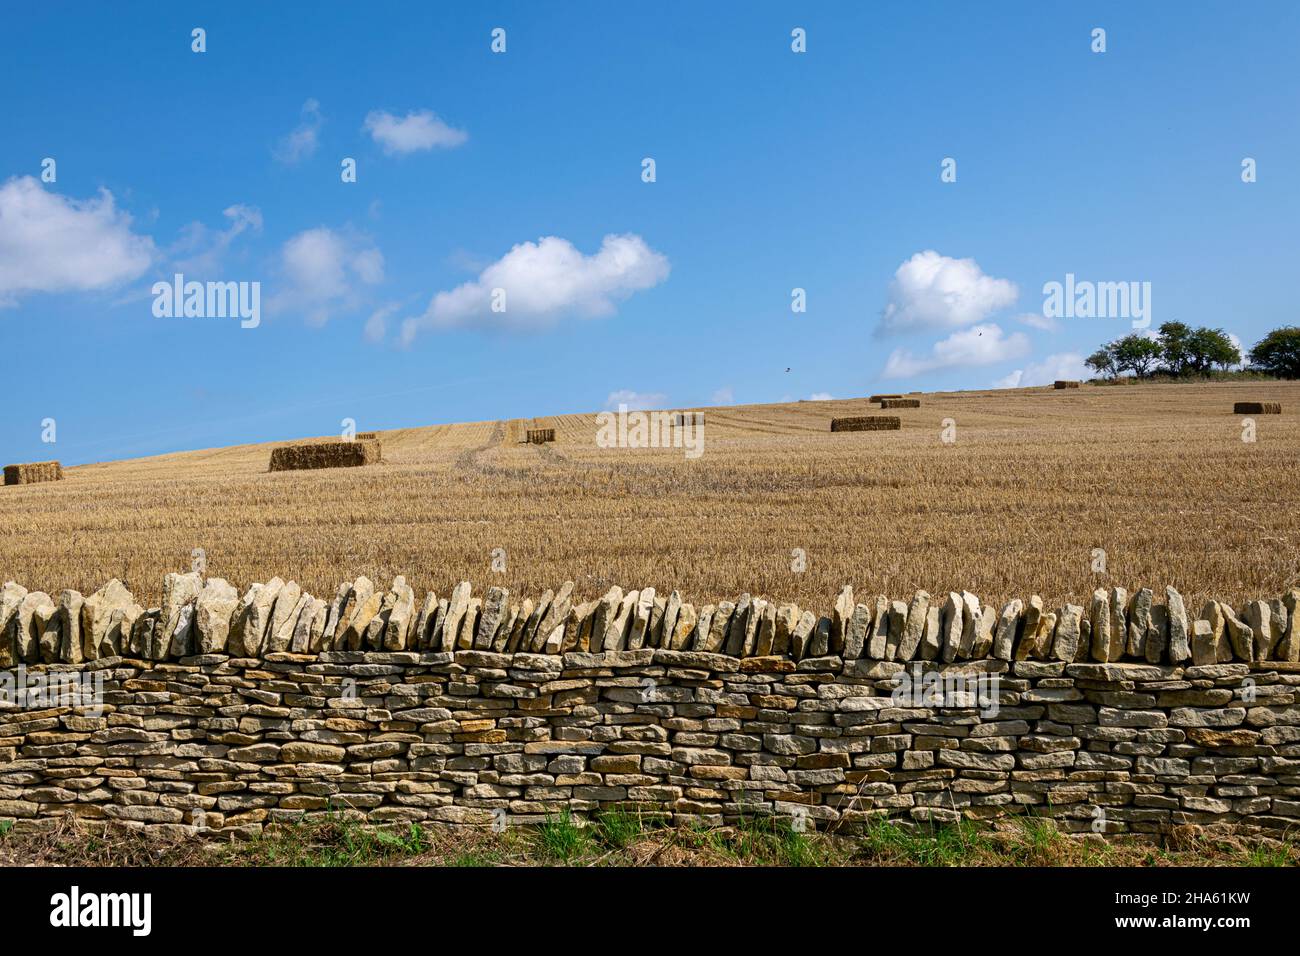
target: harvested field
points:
(900, 403)
(332, 454)
(866, 423)
(1156, 475)
(32, 472)
(684, 419)
(1257, 408)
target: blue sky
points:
(775, 170)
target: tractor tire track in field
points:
(468, 459)
(551, 456)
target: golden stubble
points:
(1155, 475)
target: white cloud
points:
(49, 243)
(542, 280)
(724, 396)
(1060, 365)
(978, 345)
(934, 291)
(1240, 348)
(1036, 320)
(376, 326)
(821, 397)
(301, 143)
(417, 130)
(635, 401)
(201, 250)
(325, 270)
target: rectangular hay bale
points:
(900, 403)
(867, 423)
(539, 436)
(1257, 408)
(881, 398)
(332, 454)
(1064, 383)
(32, 472)
(682, 419)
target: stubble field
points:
(1156, 475)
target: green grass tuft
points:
(561, 838)
(618, 828)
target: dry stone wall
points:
(222, 713)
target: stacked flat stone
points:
(220, 713)
(208, 616)
(221, 745)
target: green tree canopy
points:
(1136, 353)
(1278, 353)
(1173, 340)
(1207, 348)
(1102, 361)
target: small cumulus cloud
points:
(376, 326)
(979, 345)
(51, 243)
(417, 131)
(1060, 365)
(201, 251)
(635, 401)
(723, 396)
(536, 283)
(931, 290)
(1036, 320)
(326, 271)
(302, 141)
(821, 397)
